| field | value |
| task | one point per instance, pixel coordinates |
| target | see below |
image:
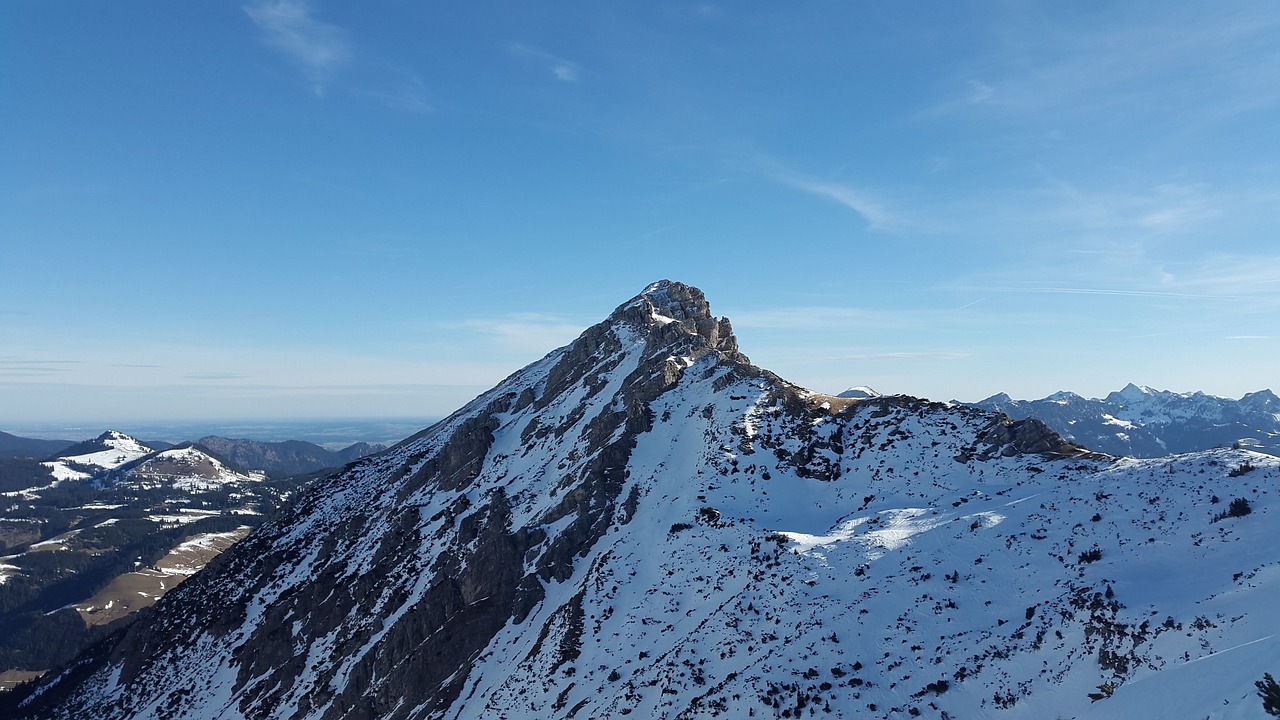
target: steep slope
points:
(645, 523)
(1142, 422)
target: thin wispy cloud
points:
(1166, 208)
(981, 92)
(317, 48)
(1109, 291)
(1183, 66)
(1252, 276)
(329, 59)
(812, 318)
(926, 355)
(27, 367)
(214, 376)
(12, 359)
(874, 212)
(560, 68)
(401, 90)
(524, 332)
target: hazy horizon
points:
(320, 431)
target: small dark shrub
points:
(1244, 468)
(1093, 554)
(1238, 508)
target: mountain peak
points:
(1261, 398)
(678, 309)
(998, 398)
(1131, 393)
(860, 392)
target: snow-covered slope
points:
(643, 523)
(1141, 422)
(859, 392)
(105, 452)
(187, 468)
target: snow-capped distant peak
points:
(859, 392)
(108, 451)
(1153, 422)
(1062, 397)
(995, 401)
(1135, 393)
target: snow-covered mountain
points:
(643, 523)
(859, 392)
(1141, 422)
(185, 467)
(108, 451)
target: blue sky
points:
(321, 209)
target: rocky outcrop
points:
(1009, 437)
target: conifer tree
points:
(1269, 691)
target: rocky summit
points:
(644, 523)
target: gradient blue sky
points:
(323, 209)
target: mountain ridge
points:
(644, 522)
(1139, 421)
(16, 446)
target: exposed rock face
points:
(1027, 436)
(641, 522)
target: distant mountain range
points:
(14, 446)
(281, 459)
(105, 527)
(1141, 422)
